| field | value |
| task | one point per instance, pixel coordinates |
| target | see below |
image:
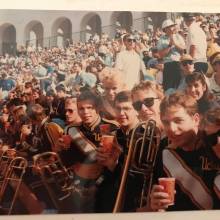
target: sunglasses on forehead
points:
(186, 62)
(148, 102)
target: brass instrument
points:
(5, 159)
(142, 152)
(55, 177)
(12, 171)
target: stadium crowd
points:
(63, 100)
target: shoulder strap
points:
(190, 182)
(79, 139)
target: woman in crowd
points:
(196, 86)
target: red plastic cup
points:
(107, 142)
(169, 187)
(67, 139)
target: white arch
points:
(90, 24)
(122, 19)
(8, 38)
(157, 18)
(38, 29)
(64, 24)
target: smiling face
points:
(146, 113)
(111, 90)
(125, 114)
(196, 89)
(180, 127)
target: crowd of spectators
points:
(37, 83)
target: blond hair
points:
(111, 76)
(148, 85)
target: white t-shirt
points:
(197, 37)
(130, 63)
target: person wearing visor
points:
(130, 63)
(187, 67)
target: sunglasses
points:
(148, 102)
(130, 40)
(69, 110)
(186, 62)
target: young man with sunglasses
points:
(130, 62)
(93, 168)
(187, 159)
(146, 98)
(72, 116)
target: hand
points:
(61, 145)
(108, 159)
(159, 200)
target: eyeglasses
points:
(69, 110)
(185, 62)
(148, 102)
(130, 40)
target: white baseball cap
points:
(167, 23)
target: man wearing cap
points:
(215, 79)
(196, 43)
(130, 63)
(170, 47)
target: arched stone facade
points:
(8, 38)
(37, 28)
(61, 31)
(90, 24)
(51, 28)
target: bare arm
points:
(192, 50)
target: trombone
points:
(55, 177)
(13, 169)
(142, 152)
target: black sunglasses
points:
(185, 62)
(130, 40)
(148, 102)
